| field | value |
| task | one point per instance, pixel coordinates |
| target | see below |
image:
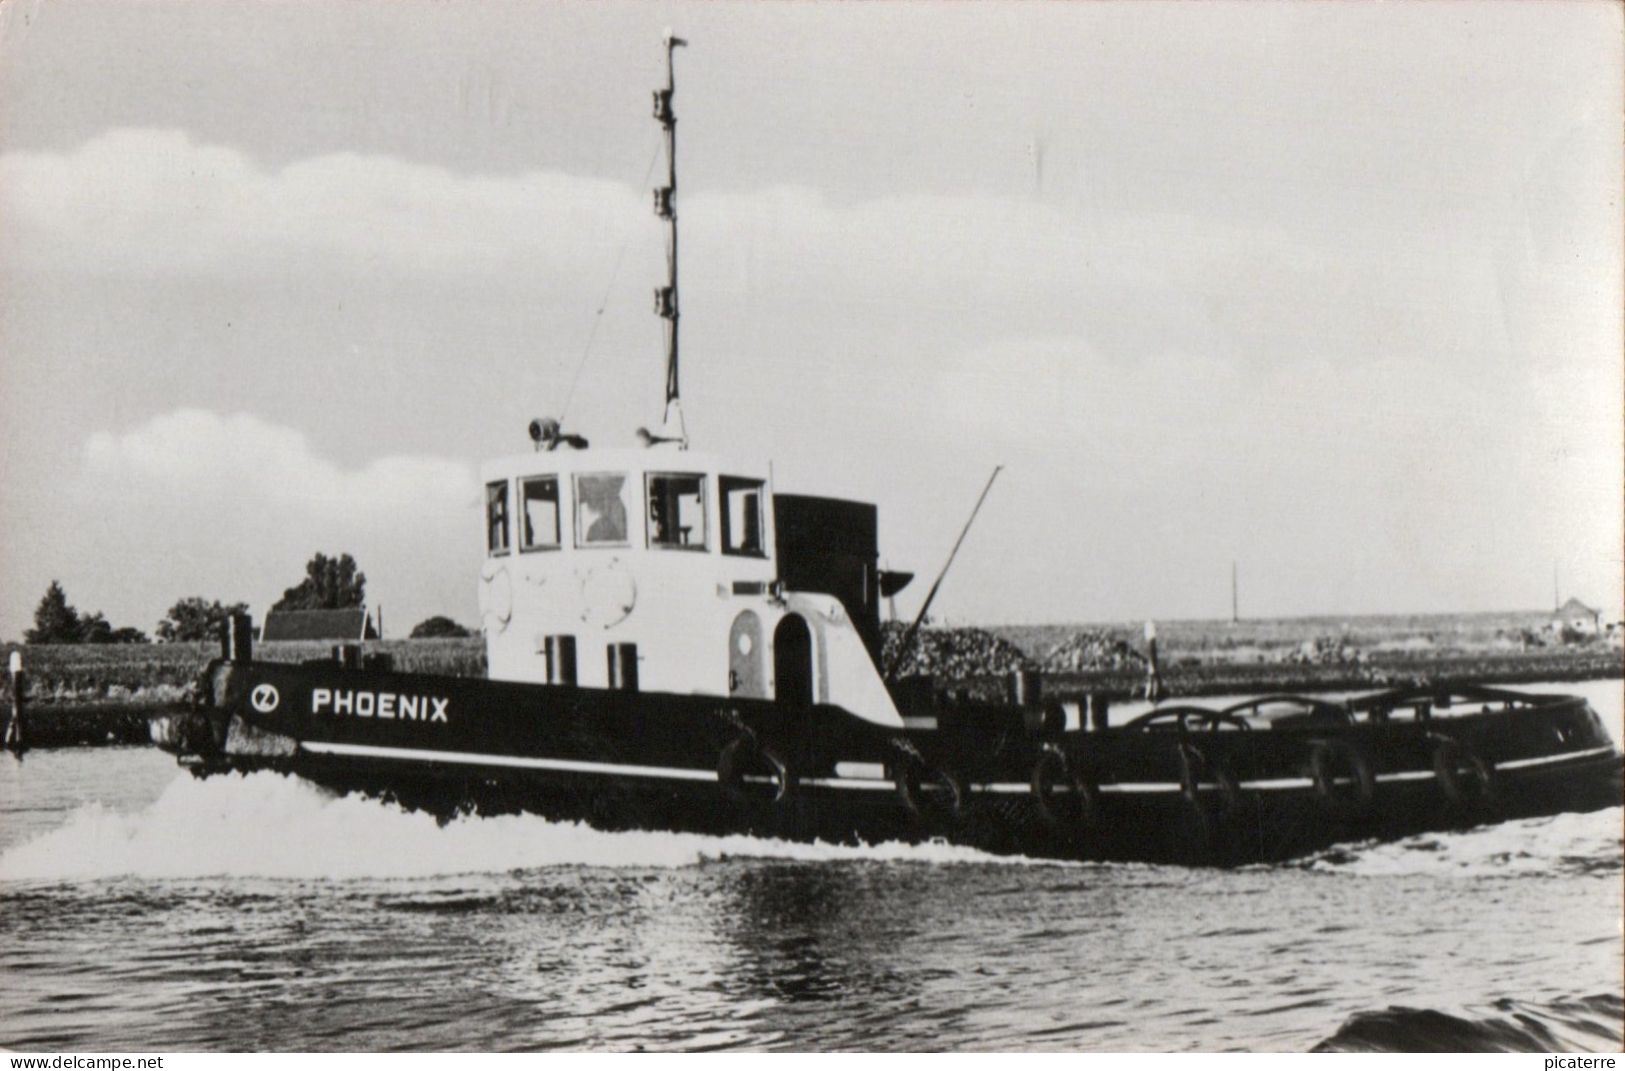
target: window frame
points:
(558, 514)
(741, 483)
(507, 517)
(580, 536)
(704, 545)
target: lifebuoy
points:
(1078, 805)
(931, 795)
(1343, 777)
(1195, 768)
(746, 755)
(1464, 778)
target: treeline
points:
(330, 583)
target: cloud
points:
(153, 203)
(1392, 417)
(231, 505)
(214, 457)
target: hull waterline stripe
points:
(1518, 764)
(1013, 787)
(848, 782)
(470, 758)
(1296, 783)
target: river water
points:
(141, 909)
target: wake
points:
(1563, 845)
(265, 825)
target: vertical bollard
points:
(1153, 675)
(14, 725)
(1099, 706)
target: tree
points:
(195, 618)
(329, 584)
(93, 628)
(57, 622)
(436, 627)
(54, 620)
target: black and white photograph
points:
(812, 526)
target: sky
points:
(1331, 291)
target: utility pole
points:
(1235, 604)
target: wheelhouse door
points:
(792, 662)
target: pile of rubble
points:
(953, 653)
(1093, 650)
(1323, 651)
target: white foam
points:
(269, 826)
(1558, 845)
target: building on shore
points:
(1576, 616)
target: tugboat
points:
(674, 644)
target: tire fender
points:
(745, 753)
(946, 804)
(1347, 800)
(1464, 778)
(1193, 765)
(1079, 806)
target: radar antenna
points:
(673, 428)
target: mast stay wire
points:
(603, 302)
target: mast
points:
(666, 306)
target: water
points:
(141, 909)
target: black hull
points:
(1188, 787)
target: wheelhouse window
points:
(742, 516)
(496, 517)
(676, 510)
(539, 513)
(601, 509)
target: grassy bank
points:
(1393, 640)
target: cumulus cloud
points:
(214, 457)
(232, 505)
(152, 202)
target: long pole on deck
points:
(913, 629)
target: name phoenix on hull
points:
(364, 704)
